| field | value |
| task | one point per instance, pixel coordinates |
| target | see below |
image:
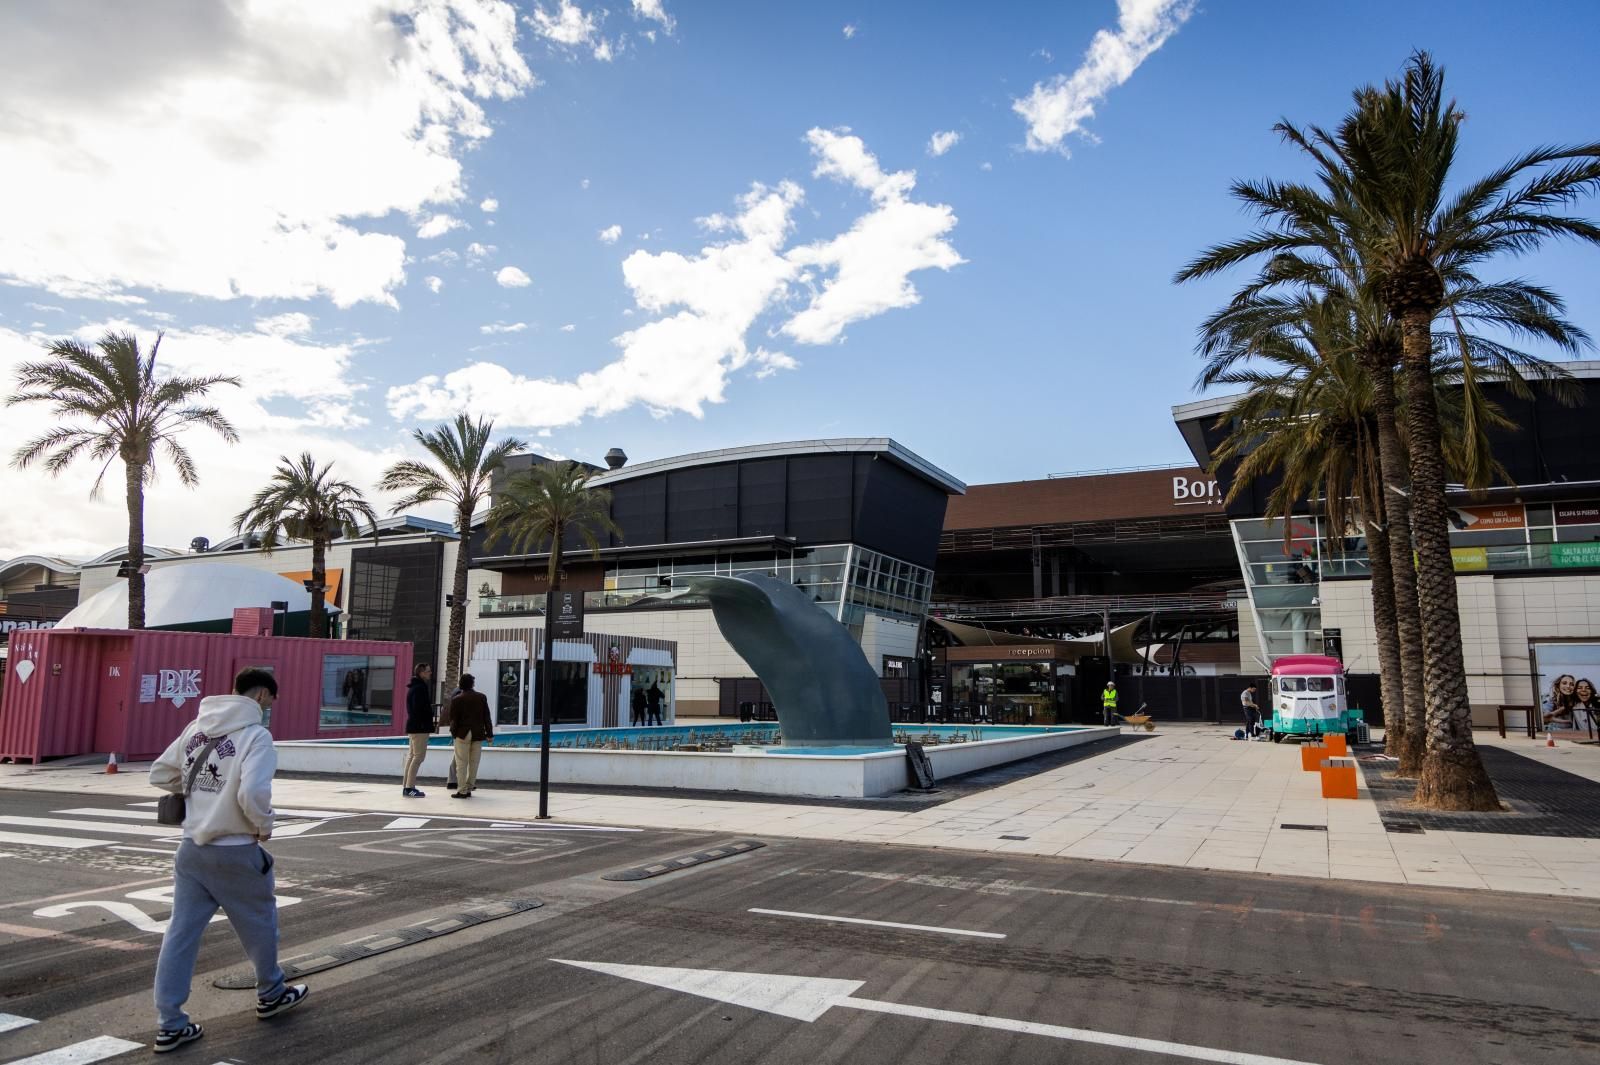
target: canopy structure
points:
(192, 594)
(1124, 646)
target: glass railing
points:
(500, 606)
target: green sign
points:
(1572, 556)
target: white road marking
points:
(168, 851)
(407, 822)
(807, 998)
(113, 827)
(127, 911)
(10, 1022)
(280, 813)
(880, 924)
(297, 829)
(97, 1049)
(59, 842)
(97, 811)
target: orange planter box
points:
(1311, 756)
(1335, 743)
(1339, 779)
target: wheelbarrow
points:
(1137, 721)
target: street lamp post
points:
(548, 658)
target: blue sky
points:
(271, 194)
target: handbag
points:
(172, 809)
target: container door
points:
(111, 714)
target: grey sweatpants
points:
(240, 881)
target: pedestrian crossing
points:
(85, 1052)
(131, 827)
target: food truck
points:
(1308, 699)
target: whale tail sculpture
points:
(825, 692)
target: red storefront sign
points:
(1578, 513)
(1491, 519)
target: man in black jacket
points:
(471, 725)
(419, 727)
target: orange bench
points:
(1339, 778)
(1335, 742)
(1311, 756)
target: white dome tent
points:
(197, 595)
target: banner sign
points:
(1574, 556)
(1470, 559)
(1578, 514)
(1490, 519)
(566, 620)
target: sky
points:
(670, 226)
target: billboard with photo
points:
(1567, 673)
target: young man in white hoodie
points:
(221, 862)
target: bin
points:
(1339, 778)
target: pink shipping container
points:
(84, 691)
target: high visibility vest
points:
(1108, 700)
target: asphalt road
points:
(1016, 960)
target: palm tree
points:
(1397, 148)
(113, 405)
(1310, 414)
(1373, 223)
(302, 502)
(463, 466)
(542, 505)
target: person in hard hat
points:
(1108, 703)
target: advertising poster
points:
(1578, 514)
(1489, 519)
(1567, 675)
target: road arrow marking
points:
(805, 998)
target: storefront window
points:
(357, 690)
(569, 692)
(1005, 693)
(512, 694)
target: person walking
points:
(223, 762)
(471, 726)
(420, 726)
(654, 697)
(636, 714)
(1252, 712)
(1108, 703)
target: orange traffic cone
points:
(111, 763)
(1549, 740)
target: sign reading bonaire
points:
(1188, 492)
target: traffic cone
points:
(1549, 740)
(111, 763)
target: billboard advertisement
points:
(1566, 674)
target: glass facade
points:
(396, 593)
(357, 690)
(1283, 574)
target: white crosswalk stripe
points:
(67, 843)
(113, 827)
(10, 1022)
(90, 1050)
(59, 831)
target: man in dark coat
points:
(654, 695)
(471, 726)
(420, 726)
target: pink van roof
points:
(1307, 666)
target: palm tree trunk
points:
(458, 601)
(1453, 777)
(1388, 633)
(1407, 744)
(319, 572)
(135, 479)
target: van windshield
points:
(1291, 684)
(1319, 684)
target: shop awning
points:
(1123, 644)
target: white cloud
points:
(480, 251)
(512, 277)
(294, 324)
(610, 234)
(46, 307)
(502, 327)
(943, 141)
(704, 305)
(849, 30)
(583, 184)
(602, 51)
(489, 206)
(872, 263)
(985, 165)
(448, 256)
(1059, 107)
(655, 11)
(434, 283)
(568, 26)
(374, 97)
(297, 395)
(438, 226)
(569, 328)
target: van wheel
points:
(1277, 737)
